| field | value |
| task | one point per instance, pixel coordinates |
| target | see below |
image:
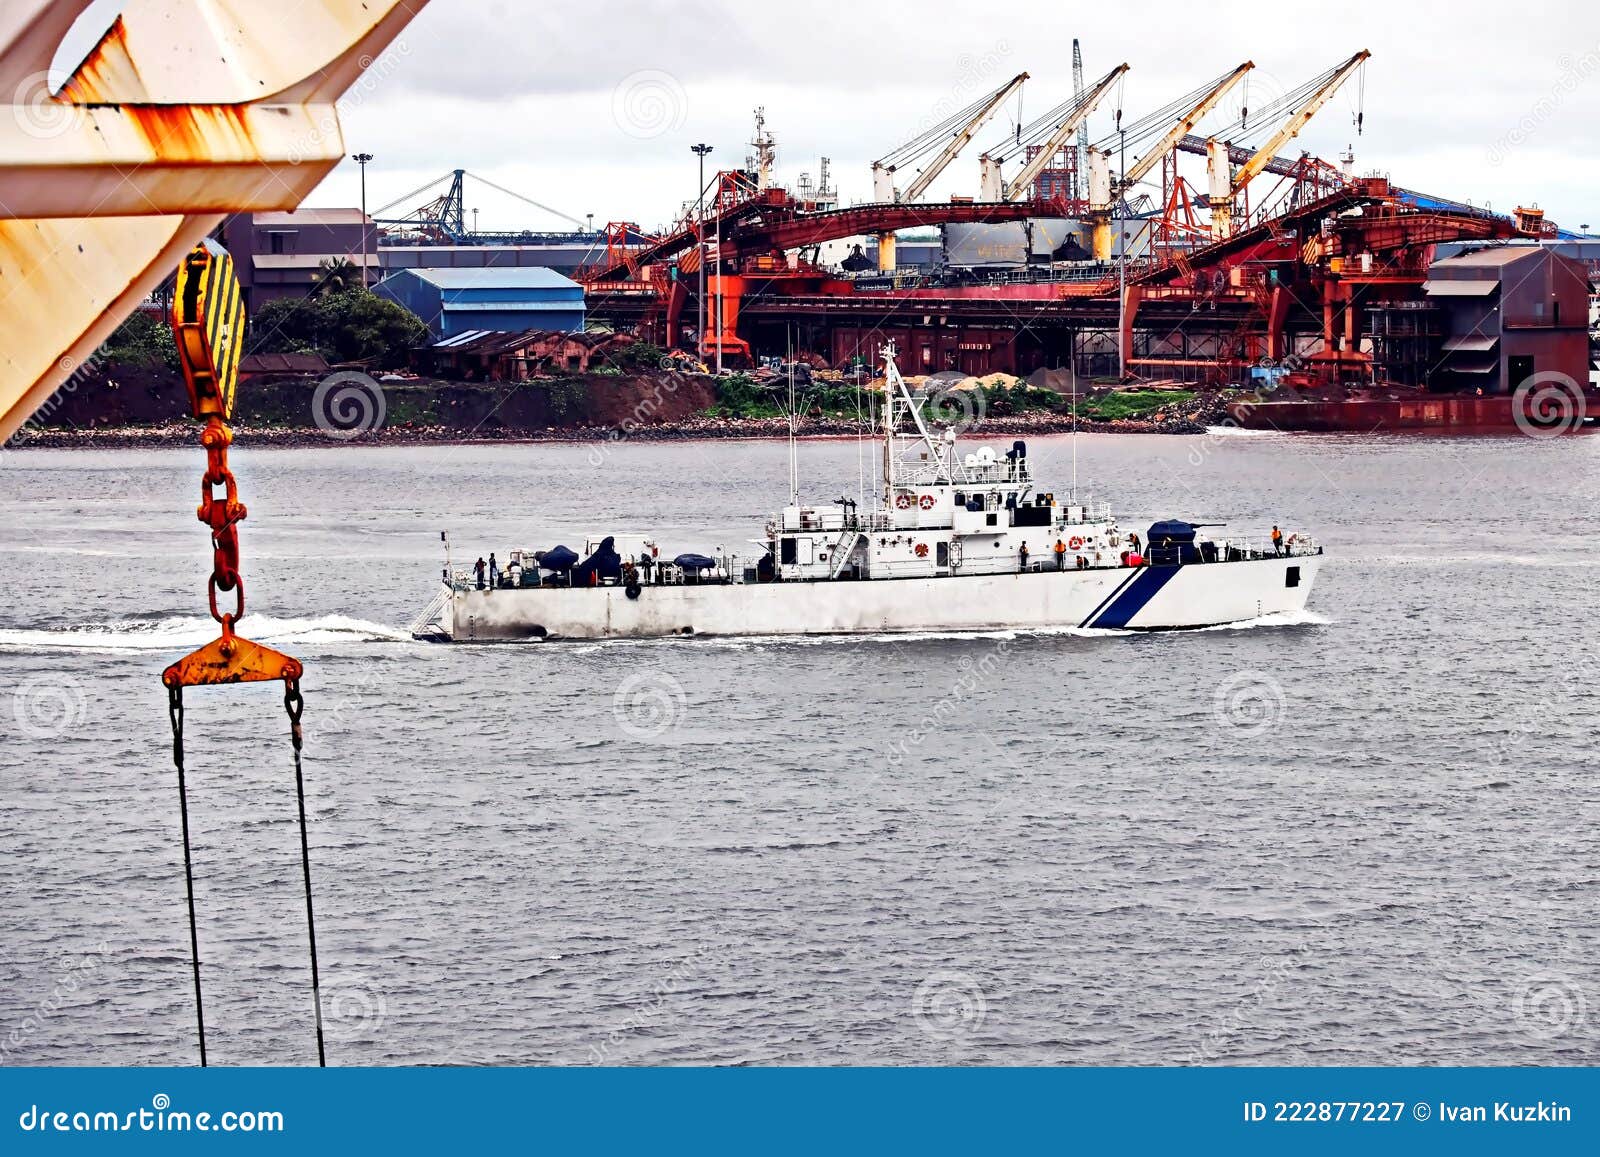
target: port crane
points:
(1055, 129)
(1184, 114)
(1080, 159)
(1227, 185)
(956, 131)
(443, 220)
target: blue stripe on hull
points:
(1133, 597)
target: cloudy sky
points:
(589, 106)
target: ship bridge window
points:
(786, 551)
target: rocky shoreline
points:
(1186, 418)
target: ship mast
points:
(794, 422)
(939, 451)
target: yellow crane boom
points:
(1100, 194)
(1217, 157)
(1020, 183)
(1185, 125)
(883, 169)
(962, 139)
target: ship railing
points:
(432, 615)
(1251, 549)
(1092, 512)
(1000, 470)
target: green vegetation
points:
(1002, 401)
(639, 355)
(142, 340)
(742, 396)
(344, 325)
(1130, 404)
(568, 399)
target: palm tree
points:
(335, 275)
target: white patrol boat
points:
(953, 542)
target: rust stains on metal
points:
(194, 134)
(108, 74)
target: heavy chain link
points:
(222, 513)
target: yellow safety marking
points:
(208, 321)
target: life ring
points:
(632, 590)
(927, 502)
(902, 501)
(1075, 542)
(922, 550)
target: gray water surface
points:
(1365, 837)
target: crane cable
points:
(208, 324)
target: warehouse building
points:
(286, 254)
(455, 301)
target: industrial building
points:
(1508, 313)
(493, 355)
(285, 254)
(453, 301)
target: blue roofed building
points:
(454, 301)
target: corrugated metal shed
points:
(544, 306)
(454, 301)
(497, 277)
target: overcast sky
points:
(589, 106)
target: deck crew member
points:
(1277, 541)
(477, 569)
(1061, 554)
(1133, 541)
(1022, 557)
(494, 571)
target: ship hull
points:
(1146, 598)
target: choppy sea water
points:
(1366, 836)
